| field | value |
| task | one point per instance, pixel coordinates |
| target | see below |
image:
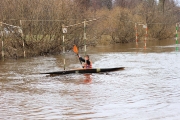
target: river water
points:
(148, 88)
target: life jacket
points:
(86, 66)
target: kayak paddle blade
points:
(75, 49)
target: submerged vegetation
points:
(112, 20)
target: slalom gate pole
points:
(146, 35)
(24, 52)
(64, 53)
(177, 27)
(85, 37)
(64, 30)
(136, 34)
(2, 40)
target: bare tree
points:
(42, 20)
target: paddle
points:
(75, 49)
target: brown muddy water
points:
(148, 88)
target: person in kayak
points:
(87, 63)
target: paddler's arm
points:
(81, 59)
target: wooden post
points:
(2, 39)
(22, 38)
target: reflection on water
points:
(148, 88)
(87, 78)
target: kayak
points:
(93, 70)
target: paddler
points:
(87, 64)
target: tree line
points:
(41, 22)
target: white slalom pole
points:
(85, 37)
(2, 38)
(136, 34)
(64, 29)
(22, 38)
(146, 35)
(177, 36)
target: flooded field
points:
(148, 88)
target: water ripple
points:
(148, 88)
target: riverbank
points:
(105, 43)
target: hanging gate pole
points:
(146, 35)
(177, 36)
(64, 53)
(2, 38)
(64, 30)
(20, 30)
(136, 35)
(85, 37)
